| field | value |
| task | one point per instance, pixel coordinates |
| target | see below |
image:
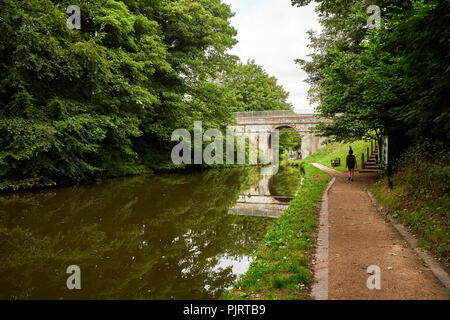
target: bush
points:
(421, 198)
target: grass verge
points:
(282, 266)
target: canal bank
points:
(283, 267)
(283, 262)
(358, 238)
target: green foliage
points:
(335, 150)
(391, 81)
(254, 89)
(421, 198)
(82, 104)
(289, 139)
(426, 166)
(286, 182)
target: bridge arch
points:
(280, 128)
(249, 123)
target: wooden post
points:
(362, 161)
(371, 146)
(379, 151)
(368, 154)
(389, 162)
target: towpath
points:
(359, 237)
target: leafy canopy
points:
(104, 100)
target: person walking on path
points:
(350, 163)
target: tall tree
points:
(387, 81)
(254, 89)
(103, 100)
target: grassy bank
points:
(282, 266)
(420, 198)
(338, 150)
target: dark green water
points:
(169, 236)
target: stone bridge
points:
(259, 126)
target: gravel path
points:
(359, 237)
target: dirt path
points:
(359, 237)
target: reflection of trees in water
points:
(286, 182)
(140, 237)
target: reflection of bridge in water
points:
(260, 200)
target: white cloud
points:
(273, 33)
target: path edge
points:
(427, 258)
(319, 289)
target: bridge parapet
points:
(263, 113)
(276, 117)
(272, 113)
(284, 120)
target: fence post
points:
(362, 161)
(371, 146)
(368, 154)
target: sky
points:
(273, 33)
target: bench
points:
(336, 162)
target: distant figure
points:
(350, 163)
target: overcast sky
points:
(273, 33)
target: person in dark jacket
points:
(350, 163)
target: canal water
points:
(182, 235)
